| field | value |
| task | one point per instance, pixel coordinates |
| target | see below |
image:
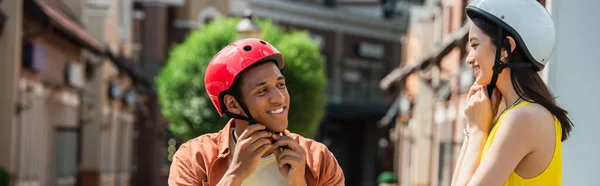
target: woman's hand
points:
(479, 111)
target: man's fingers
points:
(259, 143)
(286, 133)
(250, 130)
(287, 141)
(287, 156)
(287, 152)
(289, 160)
(259, 135)
(277, 152)
(263, 149)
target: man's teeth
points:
(276, 111)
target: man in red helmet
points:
(244, 82)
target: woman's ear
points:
(513, 45)
(231, 104)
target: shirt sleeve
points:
(331, 172)
(182, 172)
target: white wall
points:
(573, 77)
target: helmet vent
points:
(263, 42)
(247, 48)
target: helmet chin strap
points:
(499, 65)
(249, 119)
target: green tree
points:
(184, 100)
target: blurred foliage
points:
(4, 177)
(186, 104)
(387, 177)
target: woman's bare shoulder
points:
(533, 120)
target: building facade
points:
(70, 95)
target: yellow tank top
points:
(549, 177)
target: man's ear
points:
(232, 105)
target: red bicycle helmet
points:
(224, 68)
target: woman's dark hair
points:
(526, 82)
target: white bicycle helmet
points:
(527, 21)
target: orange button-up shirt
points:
(204, 160)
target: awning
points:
(51, 9)
(132, 69)
(401, 72)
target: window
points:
(355, 85)
(64, 117)
(65, 158)
(34, 56)
(377, 74)
(360, 81)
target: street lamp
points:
(247, 28)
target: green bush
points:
(4, 177)
(186, 105)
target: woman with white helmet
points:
(510, 41)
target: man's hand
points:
(291, 158)
(250, 146)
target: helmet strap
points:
(249, 119)
(498, 65)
